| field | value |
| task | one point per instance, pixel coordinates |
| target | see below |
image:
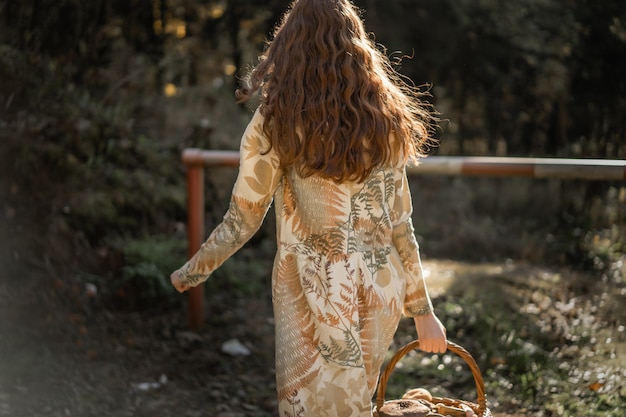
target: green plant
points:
(148, 262)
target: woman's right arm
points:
(257, 180)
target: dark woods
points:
(518, 78)
(99, 97)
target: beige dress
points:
(347, 266)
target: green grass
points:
(545, 349)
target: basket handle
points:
(460, 351)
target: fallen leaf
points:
(595, 386)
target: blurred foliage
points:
(524, 78)
(536, 77)
(148, 263)
(546, 344)
(137, 273)
(100, 97)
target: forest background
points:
(98, 99)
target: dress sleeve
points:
(257, 180)
(417, 301)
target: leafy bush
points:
(147, 265)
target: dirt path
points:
(581, 314)
(62, 356)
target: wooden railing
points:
(197, 160)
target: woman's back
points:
(350, 216)
(328, 145)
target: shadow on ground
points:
(64, 355)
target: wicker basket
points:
(451, 406)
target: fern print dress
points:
(347, 267)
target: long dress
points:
(347, 267)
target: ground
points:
(62, 354)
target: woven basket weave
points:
(479, 407)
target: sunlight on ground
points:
(441, 275)
(580, 316)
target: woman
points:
(329, 144)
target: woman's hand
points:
(431, 333)
(176, 278)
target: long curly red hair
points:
(333, 104)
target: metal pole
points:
(197, 159)
(195, 237)
(562, 168)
